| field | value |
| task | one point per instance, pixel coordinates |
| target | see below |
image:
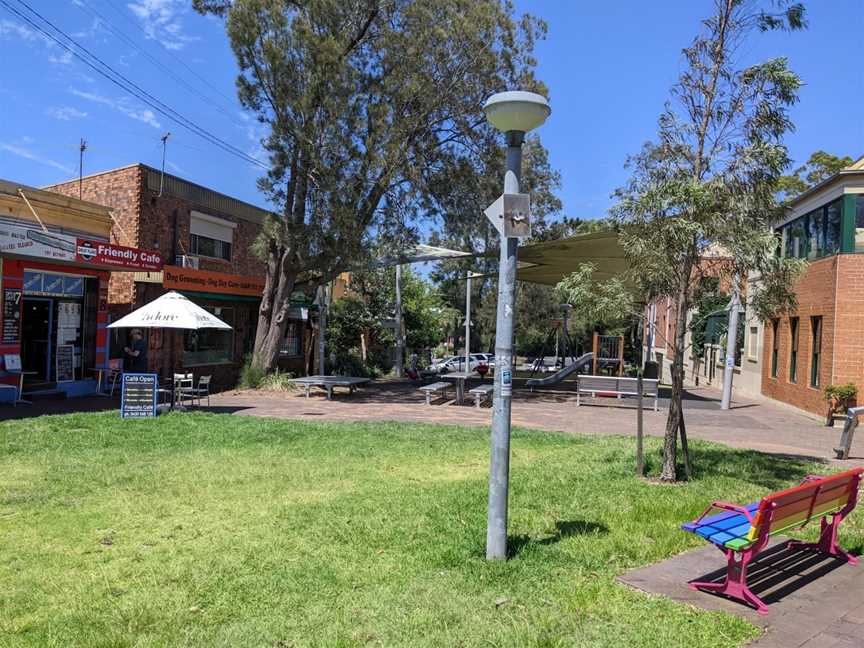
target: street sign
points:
(511, 215)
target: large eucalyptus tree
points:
(361, 98)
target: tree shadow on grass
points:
(770, 471)
(563, 529)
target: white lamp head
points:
(516, 111)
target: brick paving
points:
(750, 424)
(814, 601)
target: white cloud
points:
(162, 21)
(66, 113)
(122, 105)
(9, 29)
(28, 154)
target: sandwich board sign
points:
(138, 397)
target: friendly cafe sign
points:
(117, 256)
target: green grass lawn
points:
(217, 530)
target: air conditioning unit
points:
(186, 261)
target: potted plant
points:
(839, 398)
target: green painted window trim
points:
(847, 225)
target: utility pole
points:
(731, 344)
(81, 148)
(514, 114)
(468, 321)
(400, 334)
(322, 329)
(164, 139)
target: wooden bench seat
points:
(741, 532)
(481, 393)
(618, 386)
(438, 389)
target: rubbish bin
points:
(651, 370)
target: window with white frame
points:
(753, 343)
(210, 236)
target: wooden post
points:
(684, 448)
(620, 355)
(640, 453)
(594, 348)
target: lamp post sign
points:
(511, 215)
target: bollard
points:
(848, 433)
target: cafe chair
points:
(184, 388)
(202, 390)
(115, 372)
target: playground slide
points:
(561, 374)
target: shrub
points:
(839, 397)
(277, 381)
(251, 375)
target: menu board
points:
(65, 363)
(138, 398)
(11, 315)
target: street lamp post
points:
(514, 114)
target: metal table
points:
(329, 382)
(459, 377)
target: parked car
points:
(454, 363)
(486, 358)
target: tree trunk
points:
(273, 314)
(675, 418)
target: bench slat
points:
(434, 386)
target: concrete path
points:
(750, 424)
(814, 600)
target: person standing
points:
(135, 354)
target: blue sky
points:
(608, 67)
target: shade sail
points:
(172, 310)
(549, 262)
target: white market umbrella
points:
(173, 311)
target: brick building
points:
(822, 342)
(205, 238)
(54, 298)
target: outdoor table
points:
(459, 377)
(99, 371)
(329, 382)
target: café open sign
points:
(117, 256)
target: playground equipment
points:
(580, 363)
(564, 347)
(608, 353)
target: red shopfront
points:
(55, 313)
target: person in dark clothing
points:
(136, 353)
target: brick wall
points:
(841, 361)
(150, 221)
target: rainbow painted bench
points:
(741, 532)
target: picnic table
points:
(459, 377)
(329, 382)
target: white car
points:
(454, 363)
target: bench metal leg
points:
(735, 584)
(656, 399)
(578, 398)
(827, 543)
(429, 398)
(329, 392)
(308, 389)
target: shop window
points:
(210, 346)
(816, 234)
(859, 223)
(775, 346)
(291, 343)
(816, 353)
(793, 349)
(833, 228)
